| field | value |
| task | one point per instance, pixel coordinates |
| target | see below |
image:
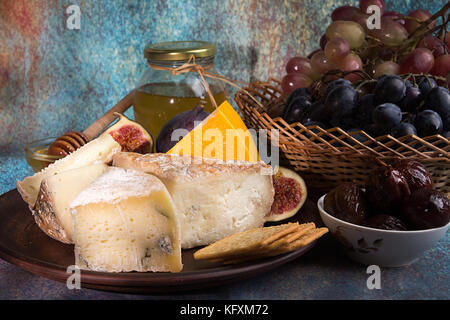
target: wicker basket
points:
(326, 158)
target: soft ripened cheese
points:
(214, 199)
(222, 135)
(126, 221)
(51, 211)
(216, 207)
(99, 150)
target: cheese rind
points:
(214, 198)
(126, 221)
(51, 211)
(99, 150)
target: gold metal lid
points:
(179, 50)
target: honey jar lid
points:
(179, 50)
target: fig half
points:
(290, 195)
(131, 136)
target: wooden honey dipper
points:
(70, 141)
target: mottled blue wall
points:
(53, 79)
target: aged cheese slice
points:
(51, 211)
(126, 221)
(222, 135)
(214, 199)
(99, 150)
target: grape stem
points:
(423, 30)
(424, 24)
(443, 35)
(398, 52)
(363, 83)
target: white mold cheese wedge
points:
(126, 221)
(99, 150)
(51, 211)
(214, 198)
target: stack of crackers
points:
(261, 242)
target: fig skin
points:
(386, 188)
(184, 120)
(426, 209)
(385, 222)
(131, 136)
(415, 173)
(290, 195)
(347, 202)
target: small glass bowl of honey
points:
(36, 154)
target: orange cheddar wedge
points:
(222, 135)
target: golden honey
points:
(36, 154)
(37, 163)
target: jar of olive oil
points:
(160, 95)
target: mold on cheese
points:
(126, 221)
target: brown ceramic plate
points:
(22, 243)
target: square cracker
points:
(244, 243)
(291, 237)
(308, 237)
(303, 241)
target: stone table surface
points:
(322, 273)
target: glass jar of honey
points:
(160, 95)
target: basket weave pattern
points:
(326, 158)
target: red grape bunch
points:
(416, 43)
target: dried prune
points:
(385, 222)
(347, 202)
(329, 203)
(386, 188)
(415, 174)
(426, 209)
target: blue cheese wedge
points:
(126, 221)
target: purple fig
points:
(185, 120)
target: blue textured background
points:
(53, 80)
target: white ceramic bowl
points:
(385, 248)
